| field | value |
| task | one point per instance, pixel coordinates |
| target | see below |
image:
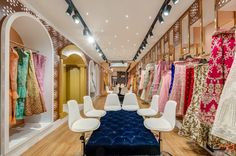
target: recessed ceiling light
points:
(127, 27)
(128, 40)
(137, 33)
(127, 16)
(102, 30)
(115, 36)
(91, 39)
(106, 20)
(87, 13)
(150, 17)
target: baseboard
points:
(24, 147)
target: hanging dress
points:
(148, 95)
(13, 86)
(35, 103)
(39, 64)
(178, 89)
(222, 55)
(156, 85)
(188, 87)
(22, 73)
(225, 120)
(172, 77)
(191, 126)
(154, 79)
(145, 83)
(164, 91)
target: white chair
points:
(130, 102)
(108, 90)
(165, 123)
(90, 111)
(78, 124)
(112, 103)
(152, 110)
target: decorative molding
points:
(221, 3)
(194, 12)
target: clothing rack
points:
(23, 46)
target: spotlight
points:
(161, 20)
(76, 18)
(100, 54)
(91, 39)
(139, 52)
(85, 32)
(151, 34)
(97, 49)
(175, 1)
(69, 10)
(145, 42)
(167, 9)
(144, 46)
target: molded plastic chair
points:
(165, 123)
(108, 90)
(112, 103)
(90, 111)
(130, 102)
(152, 110)
(78, 124)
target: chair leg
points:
(82, 138)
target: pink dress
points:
(222, 55)
(178, 90)
(141, 80)
(157, 78)
(164, 93)
(39, 65)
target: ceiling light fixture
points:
(97, 49)
(76, 18)
(69, 10)
(175, 1)
(127, 16)
(86, 32)
(161, 20)
(167, 9)
(127, 27)
(91, 39)
(151, 34)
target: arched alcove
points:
(73, 75)
(33, 35)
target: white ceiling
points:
(119, 26)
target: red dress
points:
(222, 56)
(188, 87)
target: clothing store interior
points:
(118, 78)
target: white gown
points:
(225, 120)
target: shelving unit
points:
(33, 35)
